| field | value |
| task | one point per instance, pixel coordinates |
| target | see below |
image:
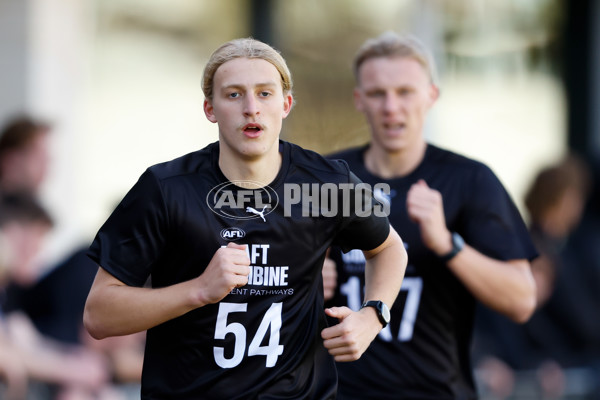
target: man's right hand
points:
(228, 269)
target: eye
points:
(233, 95)
(264, 93)
(376, 93)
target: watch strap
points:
(458, 243)
(383, 313)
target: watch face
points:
(385, 312)
(457, 242)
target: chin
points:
(253, 150)
(394, 146)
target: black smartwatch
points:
(457, 245)
(383, 312)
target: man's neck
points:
(385, 164)
(261, 170)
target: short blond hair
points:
(391, 44)
(245, 48)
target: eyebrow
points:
(241, 86)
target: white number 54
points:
(271, 319)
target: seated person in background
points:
(55, 304)
(24, 224)
(13, 374)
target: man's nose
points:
(251, 106)
(391, 102)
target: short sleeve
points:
(494, 225)
(364, 223)
(133, 237)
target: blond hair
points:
(245, 48)
(390, 44)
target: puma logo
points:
(259, 213)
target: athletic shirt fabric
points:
(262, 341)
(424, 351)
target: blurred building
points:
(121, 81)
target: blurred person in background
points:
(17, 232)
(24, 165)
(465, 238)
(47, 302)
(24, 154)
(555, 202)
(55, 304)
(24, 224)
(555, 353)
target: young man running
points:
(235, 310)
(465, 238)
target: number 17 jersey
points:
(424, 352)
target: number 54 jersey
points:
(424, 352)
(262, 341)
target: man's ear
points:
(288, 102)
(434, 94)
(357, 100)
(209, 111)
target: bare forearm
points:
(386, 264)
(115, 310)
(505, 286)
(385, 271)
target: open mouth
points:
(252, 130)
(394, 127)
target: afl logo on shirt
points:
(242, 200)
(232, 233)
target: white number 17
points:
(413, 285)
